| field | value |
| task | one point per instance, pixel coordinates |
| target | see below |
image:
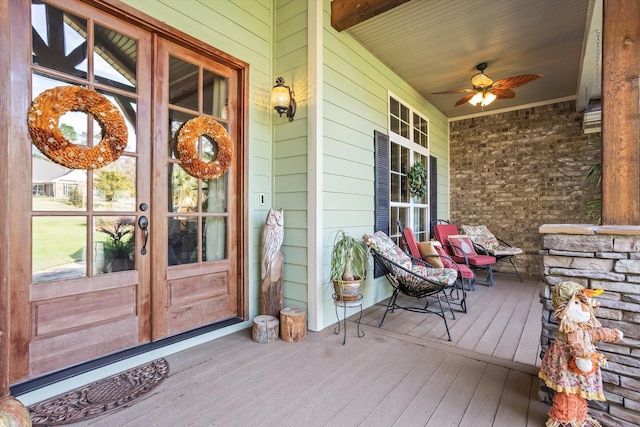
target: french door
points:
(135, 250)
(196, 218)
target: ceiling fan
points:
(485, 90)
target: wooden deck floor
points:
(403, 374)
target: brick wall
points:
(517, 170)
(600, 258)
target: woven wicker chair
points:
(411, 277)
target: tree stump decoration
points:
(293, 323)
(272, 300)
(265, 329)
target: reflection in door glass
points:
(115, 186)
(215, 195)
(183, 83)
(183, 190)
(214, 94)
(56, 188)
(176, 120)
(183, 240)
(67, 258)
(214, 238)
(114, 58)
(59, 40)
(114, 244)
(127, 107)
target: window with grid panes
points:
(409, 144)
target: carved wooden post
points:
(621, 112)
(272, 300)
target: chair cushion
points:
(429, 254)
(480, 260)
(462, 245)
(410, 239)
(444, 276)
(481, 235)
(466, 272)
(383, 244)
(502, 250)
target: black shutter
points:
(382, 186)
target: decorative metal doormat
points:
(101, 397)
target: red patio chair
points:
(461, 249)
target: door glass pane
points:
(214, 94)
(214, 238)
(40, 83)
(215, 195)
(59, 40)
(114, 186)
(183, 190)
(183, 83)
(56, 188)
(114, 58)
(114, 244)
(183, 240)
(176, 120)
(127, 108)
(67, 258)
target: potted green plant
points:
(348, 265)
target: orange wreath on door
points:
(43, 123)
(187, 148)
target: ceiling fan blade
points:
(516, 81)
(503, 93)
(464, 99)
(453, 91)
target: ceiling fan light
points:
(488, 98)
(476, 99)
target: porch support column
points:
(5, 89)
(621, 112)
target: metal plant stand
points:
(347, 304)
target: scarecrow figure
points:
(571, 365)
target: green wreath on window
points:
(418, 180)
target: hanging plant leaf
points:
(418, 180)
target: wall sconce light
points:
(282, 99)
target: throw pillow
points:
(446, 261)
(429, 254)
(462, 245)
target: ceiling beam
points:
(347, 13)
